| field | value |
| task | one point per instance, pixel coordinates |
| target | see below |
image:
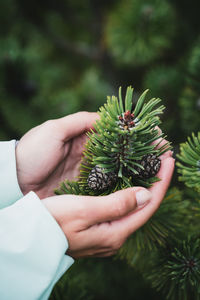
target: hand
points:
(51, 152)
(98, 226)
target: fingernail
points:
(142, 197)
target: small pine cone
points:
(126, 120)
(100, 181)
(151, 164)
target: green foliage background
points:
(59, 57)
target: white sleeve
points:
(32, 250)
(9, 187)
(32, 245)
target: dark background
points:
(60, 57)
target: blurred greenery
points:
(59, 57)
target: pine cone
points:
(126, 120)
(151, 164)
(100, 181)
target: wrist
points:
(52, 209)
(19, 172)
(10, 188)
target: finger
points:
(159, 130)
(165, 173)
(114, 206)
(161, 142)
(136, 219)
(158, 191)
(105, 254)
(91, 253)
(95, 240)
(76, 124)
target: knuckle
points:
(50, 124)
(104, 237)
(156, 206)
(83, 114)
(104, 242)
(110, 253)
(81, 211)
(122, 205)
(117, 242)
(120, 208)
(112, 240)
(117, 245)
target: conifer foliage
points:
(145, 18)
(60, 57)
(189, 162)
(123, 149)
(179, 270)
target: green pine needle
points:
(189, 162)
(120, 139)
(176, 272)
(165, 224)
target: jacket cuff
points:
(10, 190)
(32, 250)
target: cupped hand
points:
(94, 226)
(98, 226)
(51, 152)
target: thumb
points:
(76, 124)
(116, 205)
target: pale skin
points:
(94, 226)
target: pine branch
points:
(158, 230)
(119, 145)
(135, 27)
(176, 271)
(189, 162)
